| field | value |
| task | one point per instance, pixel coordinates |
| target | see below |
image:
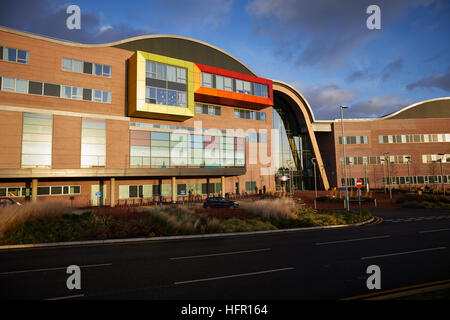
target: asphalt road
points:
(410, 247)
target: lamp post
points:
(409, 175)
(389, 173)
(313, 160)
(347, 205)
(442, 172)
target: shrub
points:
(272, 209)
(13, 216)
(245, 225)
(47, 229)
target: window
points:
(93, 143)
(37, 140)
(219, 83)
(150, 69)
(69, 92)
(150, 95)
(15, 55)
(354, 140)
(207, 109)
(228, 84)
(79, 66)
(207, 80)
(251, 115)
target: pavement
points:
(409, 249)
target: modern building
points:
(407, 148)
(164, 117)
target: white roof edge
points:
(298, 92)
(412, 106)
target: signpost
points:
(359, 185)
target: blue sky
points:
(321, 47)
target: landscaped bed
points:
(53, 222)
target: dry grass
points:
(272, 208)
(180, 220)
(13, 216)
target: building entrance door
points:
(98, 197)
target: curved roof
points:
(433, 108)
(183, 48)
(299, 95)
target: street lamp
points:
(389, 173)
(347, 205)
(409, 175)
(442, 172)
(313, 160)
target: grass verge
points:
(42, 224)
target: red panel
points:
(233, 98)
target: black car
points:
(218, 202)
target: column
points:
(34, 187)
(174, 190)
(112, 192)
(223, 186)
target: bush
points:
(272, 209)
(13, 216)
(243, 225)
(48, 229)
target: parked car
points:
(6, 201)
(219, 202)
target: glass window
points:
(161, 71)
(97, 95)
(106, 97)
(181, 99)
(171, 73)
(181, 75)
(8, 84)
(239, 86)
(77, 66)
(93, 143)
(106, 71)
(10, 54)
(67, 64)
(228, 84)
(161, 96)
(22, 56)
(150, 95)
(21, 86)
(98, 69)
(36, 140)
(219, 82)
(150, 69)
(207, 80)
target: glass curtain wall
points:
(294, 153)
(151, 149)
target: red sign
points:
(358, 183)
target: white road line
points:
(401, 253)
(235, 275)
(219, 254)
(436, 230)
(350, 240)
(53, 269)
(67, 297)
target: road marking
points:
(67, 297)
(234, 275)
(219, 254)
(385, 293)
(53, 269)
(437, 230)
(401, 253)
(350, 240)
